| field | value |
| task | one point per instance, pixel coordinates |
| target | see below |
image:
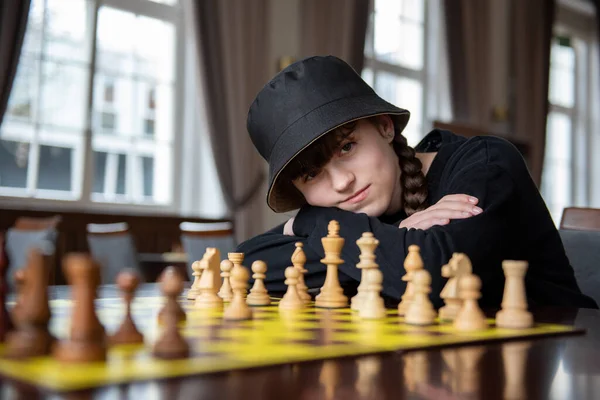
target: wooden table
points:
(556, 368)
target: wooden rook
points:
(6, 324)
(514, 312)
(332, 294)
(87, 339)
(171, 344)
(127, 281)
(31, 337)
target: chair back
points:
(30, 233)
(583, 250)
(197, 236)
(575, 218)
(113, 247)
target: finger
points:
(465, 198)
(428, 223)
(449, 214)
(457, 206)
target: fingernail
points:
(473, 200)
(477, 210)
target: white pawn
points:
(470, 317)
(238, 309)
(367, 244)
(372, 306)
(291, 299)
(421, 311)
(225, 291)
(197, 271)
(412, 263)
(258, 294)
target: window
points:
(98, 78)
(568, 174)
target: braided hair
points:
(412, 180)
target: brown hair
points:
(314, 157)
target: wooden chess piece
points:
(291, 299)
(171, 344)
(31, 337)
(329, 377)
(19, 278)
(6, 324)
(412, 263)
(225, 292)
(176, 307)
(368, 369)
(367, 244)
(514, 359)
(514, 312)
(127, 281)
(87, 339)
(298, 261)
(421, 311)
(458, 266)
(258, 294)
(372, 306)
(238, 309)
(470, 317)
(193, 292)
(332, 294)
(209, 281)
(468, 374)
(237, 259)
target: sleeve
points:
(477, 236)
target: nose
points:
(341, 179)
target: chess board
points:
(271, 337)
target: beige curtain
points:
(232, 38)
(532, 22)
(13, 21)
(467, 30)
(334, 27)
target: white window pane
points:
(562, 56)
(148, 176)
(562, 87)
(99, 162)
(14, 163)
(367, 75)
(63, 101)
(32, 43)
(55, 168)
(115, 40)
(67, 29)
(413, 9)
(155, 48)
(163, 113)
(23, 96)
(167, 2)
(114, 105)
(391, 8)
(399, 42)
(405, 93)
(558, 137)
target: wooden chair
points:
(28, 233)
(580, 234)
(197, 236)
(580, 219)
(113, 247)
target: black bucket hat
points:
(303, 102)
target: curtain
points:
(232, 40)
(334, 27)
(13, 21)
(532, 23)
(468, 38)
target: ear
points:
(385, 126)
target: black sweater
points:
(515, 224)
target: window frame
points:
(81, 196)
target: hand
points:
(288, 227)
(452, 206)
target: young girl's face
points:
(363, 176)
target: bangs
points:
(317, 154)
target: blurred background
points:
(138, 107)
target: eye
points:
(346, 148)
(309, 176)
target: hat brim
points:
(313, 126)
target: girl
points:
(336, 151)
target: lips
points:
(358, 196)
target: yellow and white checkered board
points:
(271, 337)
